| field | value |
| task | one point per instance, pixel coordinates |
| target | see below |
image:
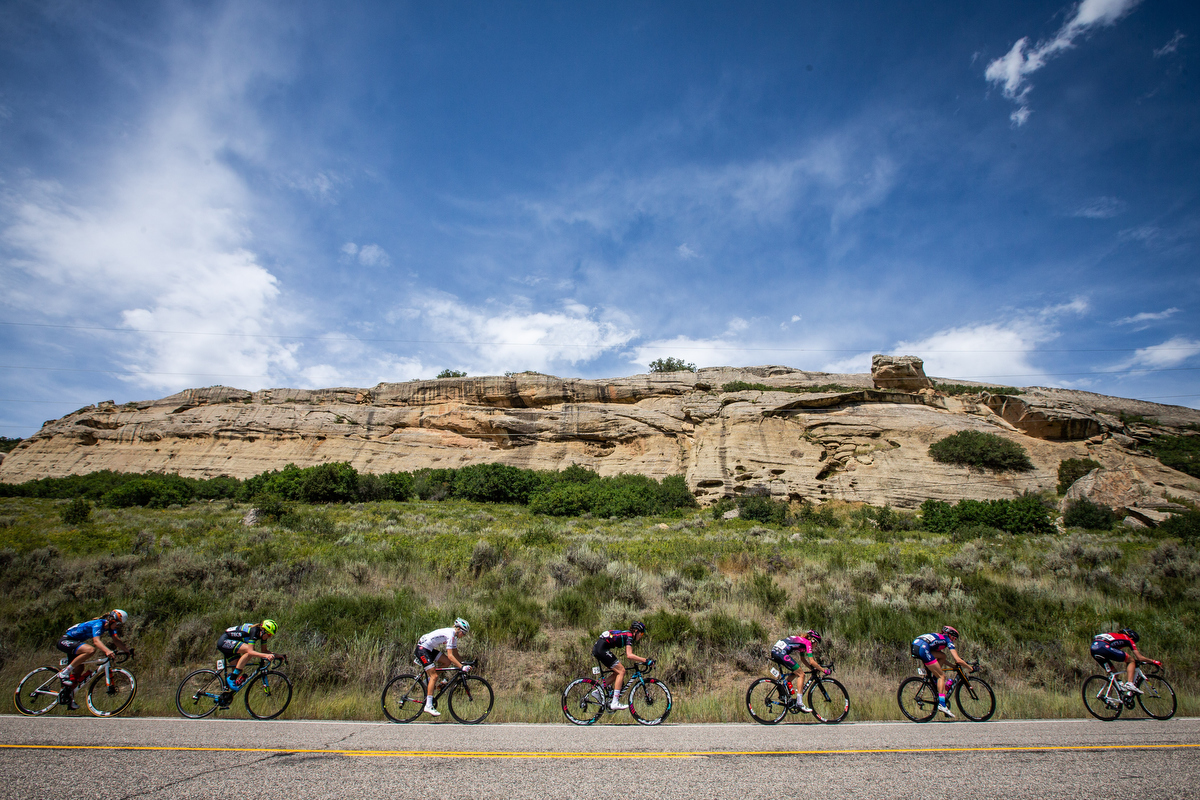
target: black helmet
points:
(638, 627)
(813, 636)
(1131, 633)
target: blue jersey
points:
(934, 642)
(85, 630)
(248, 632)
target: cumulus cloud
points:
(1012, 70)
(1170, 353)
(1100, 208)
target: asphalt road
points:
(174, 758)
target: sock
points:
(941, 699)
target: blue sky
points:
(297, 194)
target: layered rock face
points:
(859, 443)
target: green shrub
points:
(158, 492)
(1186, 526)
(564, 500)
(674, 495)
(433, 484)
(671, 364)
(1083, 513)
(515, 619)
(958, 388)
(666, 627)
(538, 536)
(1178, 452)
(329, 483)
(723, 632)
(767, 594)
(743, 386)
(270, 507)
(452, 373)
(1072, 469)
(759, 508)
(7, 443)
(981, 451)
(308, 520)
(77, 512)
(495, 483)
(1025, 514)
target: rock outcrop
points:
(858, 443)
(906, 373)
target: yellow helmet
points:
(269, 626)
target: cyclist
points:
(627, 639)
(440, 649)
(932, 648)
(80, 641)
(781, 653)
(1107, 647)
(239, 642)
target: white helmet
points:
(463, 624)
(118, 616)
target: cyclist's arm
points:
(629, 654)
(267, 654)
(959, 659)
(1137, 656)
(812, 661)
(101, 646)
(452, 654)
(121, 642)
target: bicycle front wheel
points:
(917, 701)
(199, 694)
(268, 695)
(976, 700)
(650, 701)
(471, 700)
(583, 701)
(107, 698)
(404, 698)
(1101, 698)
(38, 692)
(1157, 698)
(767, 701)
(829, 701)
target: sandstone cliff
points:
(862, 443)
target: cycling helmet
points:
(463, 624)
(948, 631)
(117, 616)
(269, 626)
(813, 636)
(638, 627)
(1131, 633)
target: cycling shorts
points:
(920, 649)
(427, 657)
(229, 646)
(603, 654)
(1102, 653)
(69, 646)
(779, 657)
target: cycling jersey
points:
(441, 639)
(1110, 647)
(247, 633)
(1117, 641)
(789, 644)
(925, 646)
(86, 630)
(610, 639)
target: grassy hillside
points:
(354, 585)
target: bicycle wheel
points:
(917, 701)
(199, 694)
(403, 698)
(268, 695)
(1102, 700)
(1157, 698)
(650, 701)
(38, 692)
(976, 701)
(111, 697)
(829, 700)
(767, 701)
(471, 700)
(583, 701)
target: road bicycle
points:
(1104, 698)
(918, 696)
(769, 700)
(469, 696)
(585, 700)
(110, 692)
(206, 691)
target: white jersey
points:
(441, 639)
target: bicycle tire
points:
(38, 692)
(917, 701)
(403, 698)
(650, 701)
(980, 702)
(268, 694)
(829, 701)
(767, 701)
(199, 694)
(1096, 700)
(111, 698)
(471, 700)
(583, 701)
(1158, 695)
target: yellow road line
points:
(535, 754)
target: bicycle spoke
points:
(976, 700)
(767, 701)
(650, 701)
(38, 692)
(917, 700)
(829, 700)
(199, 694)
(1101, 698)
(404, 698)
(583, 701)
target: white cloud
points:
(372, 255)
(1012, 70)
(795, 318)
(1171, 46)
(1100, 208)
(686, 253)
(1146, 316)
(1170, 353)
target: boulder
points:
(1115, 488)
(906, 373)
(1046, 418)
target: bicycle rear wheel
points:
(767, 701)
(976, 700)
(111, 697)
(199, 694)
(1102, 700)
(829, 700)
(583, 701)
(38, 692)
(404, 698)
(471, 700)
(1157, 698)
(650, 701)
(268, 695)
(917, 701)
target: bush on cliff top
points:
(981, 451)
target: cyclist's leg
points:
(609, 661)
(75, 654)
(1105, 655)
(937, 670)
(789, 666)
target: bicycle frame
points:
(445, 685)
(224, 666)
(1112, 694)
(634, 677)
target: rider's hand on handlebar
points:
(649, 662)
(828, 671)
(466, 668)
